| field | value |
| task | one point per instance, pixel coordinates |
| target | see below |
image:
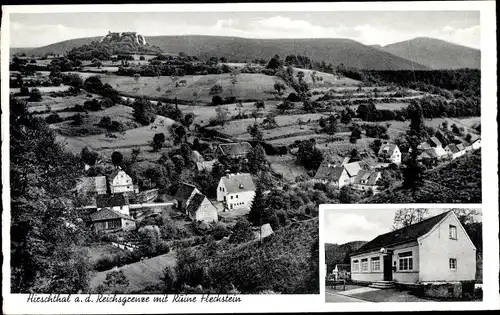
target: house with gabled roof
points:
(91, 185)
(115, 202)
(341, 271)
(437, 249)
(390, 153)
(367, 180)
(333, 174)
(233, 150)
(455, 150)
(184, 195)
(236, 191)
(120, 182)
(108, 220)
(200, 208)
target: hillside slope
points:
(435, 53)
(335, 51)
(287, 262)
(456, 182)
(339, 254)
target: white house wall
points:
(206, 212)
(240, 200)
(437, 248)
(398, 275)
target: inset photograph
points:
(402, 255)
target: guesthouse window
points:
(231, 197)
(375, 263)
(364, 265)
(453, 263)
(355, 265)
(406, 261)
(453, 232)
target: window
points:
(406, 261)
(453, 263)
(453, 232)
(231, 197)
(236, 196)
(375, 263)
(355, 265)
(364, 265)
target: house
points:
(90, 185)
(108, 220)
(233, 150)
(434, 250)
(206, 165)
(342, 271)
(200, 208)
(353, 168)
(366, 180)
(390, 153)
(434, 142)
(333, 174)
(264, 231)
(454, 150)
(236, 190)
(115, 202)
(476, 144)
(184, 195)
(120, 182)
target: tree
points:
(417, 126)
(93, 84)
(300, 122)
(158, 141)
(178, 132)
(216, 89)
(143, 111)
(222, 115)
(257, 160)
(217, 100)
(309, 156)
(258, 206)
(96, 63)
(279, 88)
(242, 232)
(239, 105)
(89, 157)
(300, 76)
(255, 132)
(35, 95)
(259, 105)
(409, 216)
(135, 154)
(346, 116)
(269, 121)
(234, 78)
(169, 280)
(195, 96)
(116, 281)
(116, 158)
(413, 171)
(188, 120)
(275, 63)
(355, 135)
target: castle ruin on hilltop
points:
(124, 36)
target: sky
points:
(342, 226)
(370, 28)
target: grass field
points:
(249, 86)
(287, 166)
(58, 103)
(44, 89)
(140, 274)
(137, 137)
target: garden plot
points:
(249, 86)
(136, 137)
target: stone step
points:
(382, 285)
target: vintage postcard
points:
(176, 157)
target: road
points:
(337, 298)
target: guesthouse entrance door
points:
(388, 267)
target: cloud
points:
(341, 227)
(269, 27)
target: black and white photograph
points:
(403, 255)
(185, 150)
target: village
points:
(183, 171)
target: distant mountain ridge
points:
(435, 53)
(335, 51)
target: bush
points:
(216, 89)
(292, 97)
(24, 91)
(35, 95)
(105, 122)
(217, 100)
(53, 118)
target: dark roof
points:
(111, 200)
(184, 192)
(108, 214)
(404, 235)
(387, 149)
(235, 183)
(370, 177)
(235, 149)
(435, 141)
(195, 203)
(114, 173)
(453, 148)
(329, 171)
